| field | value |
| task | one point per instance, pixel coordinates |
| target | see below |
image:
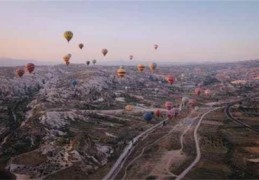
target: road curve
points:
(230, 117)
(198, 152)
(126, 152)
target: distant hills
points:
(22, 62)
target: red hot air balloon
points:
(30, 67)
(104, 52)
(198, 91)
(170, 79)
(158, 113)
(168, 105)
(155, 46)
(171, 113)
(19, 72)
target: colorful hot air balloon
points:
(198, 91)
(158, 113)
(171, 113)
(104, 52)
(94, 61)
(81, 45)
(19, 72)
(131, 57)
(141, 67)
(185, 100)
(155, 46)
(68, 35)
(170, 79)
(153, 67)
(192, 102)
(156, 90)
(74, 82)
(168, 105)
(207, 92)
(30, 67)
(67, 58)
(129, 108)
(148, 116)
(121, 72)
(87, 63)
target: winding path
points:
(198, 152)
(128, 149)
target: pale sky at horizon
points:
(185, 31)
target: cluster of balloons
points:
(68, 36)
(198, 91)
(28, 67)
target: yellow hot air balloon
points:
(66, 59)
(68, 35)
(129, 108)
(121, 72)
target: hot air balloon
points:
(67, 58)
(155, 46)
(158, 113)
(168, 105)
(68, 35)
(156, 90)
(192, 102)
(30, 67)
(198, 91)
(94, 61)
(131, 57)
(153, 66)
(207, 92)
(19, 72)
(171, 113)
(67, 63)
(141, 67)
(129, 108)
(74, 82)
(121, 72)
(182, 76)
(87, 63)
(148, 116)
(81, 45)
(69, 55)
(104, 52)
(170, 79)
(185, 100)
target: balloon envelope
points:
(68, 35)
(74, 83)
(81, 45)
(104, 52)
(30, 67)
(148, 116)
(19, 72)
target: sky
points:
(186, 31)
